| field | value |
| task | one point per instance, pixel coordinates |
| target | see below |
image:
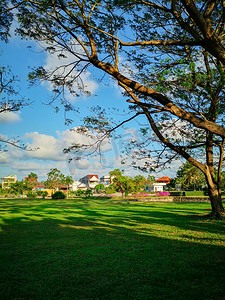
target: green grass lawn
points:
(105, 249)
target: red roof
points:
(90, 176)
(39, 184)
(163, 179)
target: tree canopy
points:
(167, 57)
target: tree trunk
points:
(216, 203)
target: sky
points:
(44, 131)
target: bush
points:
(194, 193)
(177, 193)
(80, 192)
(58, 195)
(162, 194)
(31, 195)
(88, 193)
(110, 190)
(99, 187)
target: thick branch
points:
(168, 105)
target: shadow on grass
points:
(109, 250)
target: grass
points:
(107, 249)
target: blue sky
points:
(38, 126)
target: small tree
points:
(58, 195)
(124, 184)
(68, 180)
(99, 187)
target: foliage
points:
(31, 194)
(190, 177)
(99, 187)
(88, 192)
(55, 178)
(32, 175)
(41, 193)
(126, 184)
(67, 180)
(10, 98)
(177, 193)
(110, 189)
(195, 193)
(58, 195)
(162, 194)
(142, 195)
(19, 187)
(10, 101)
(80, 192)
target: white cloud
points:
(4, 158)
(30, 166)
(9, 117)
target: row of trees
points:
(55, 180)
(127, 184)
(189, 177)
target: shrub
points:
(80, 192)
(162, 194)
(88, 193)
(58, 195)
(31, 195)
(110, 190)
(141, 195)
(194, 193)
(44, 194)
(177, 193)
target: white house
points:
(90, 180)
(161, 183)
(77, 185)
(106, 180)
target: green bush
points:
(58, 195)
(31, 195)
(80, 192)
(194, 193)
(88, 193)
(177, 193)
(110, 190)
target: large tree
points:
(167, 56)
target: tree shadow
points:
(88, 251)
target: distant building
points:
(161, 183)
(90, 181)
(34, 183)
(106, 180)
(77, 185)
(6, 181)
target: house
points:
(161, 183)
(106, 180)
(6, 181)
(77, 185)
(90, 181)
(35, 184)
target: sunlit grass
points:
(106, 249)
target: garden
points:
(100, 248)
